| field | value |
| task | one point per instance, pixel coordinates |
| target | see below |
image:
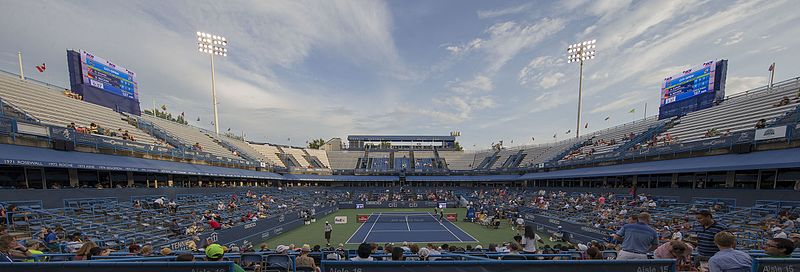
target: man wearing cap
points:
(795, 237)
(328, 230)
(215, 252)
(304, 260)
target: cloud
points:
(479, 83)
(508, 39)
(484, 14)
(458, 49)
(623, 101)
(550, 79)
(735, 85)
(529, 72)
(735, 38)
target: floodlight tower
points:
(213, 45)
(580, 52)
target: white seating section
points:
(298, 155)
(52, 107)
(736, 114)
(270, 153)
(344, 159)
(458, 160)
(243, 147)
(190, 135)
(321, 156)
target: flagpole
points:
(21, 71)
(645, 111)
(771, 75)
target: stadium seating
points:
(608, 140)
(60, 110)
(269, 152)
(458, 160)
(190, 135)
(735, 114)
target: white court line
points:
(370, 228)
(378, 231)
(451, 232)
(359, 228)
(408, 225)
(462, 230)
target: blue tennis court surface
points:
(417, 227)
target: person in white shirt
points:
(529, 240)
(520, 223)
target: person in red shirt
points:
(214, 224)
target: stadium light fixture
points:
(213, 45)
(580, 52)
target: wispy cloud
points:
(491, 13)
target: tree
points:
(457, 146)
(316, 144)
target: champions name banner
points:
(395, 204)
(501, 266)
(255, 232)
(573, 232)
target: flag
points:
(164, 107)
(41, 68)
(229, 129)
(586, 126)
(771, 67)
(198, 119)
(554, 135)
(568, 131)
(608, 117)
(288, 139)
(632, 110)
(183, 113)
(533, 139)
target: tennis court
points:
(417, 227)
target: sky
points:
(491, 70)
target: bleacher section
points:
(736, 114)
(458, 160)
(298, 155)
(320, 155)
(190, 135)
(244, 149)
(608, 140)
(269, 152)
(51, 106)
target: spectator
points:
(779, 248)
(762, 123)
(397, 254)
(134, 249)
(705, 231)
(423, 254)
(677, 250)
(165, 251)
(215, 252)
(364, 251)
(9, 248)
(529, 240)
(83, 252)
(282, 250)
(175, 228)
(796, 239)
(34, 248)
(727, 258)
(185, 257)
(147, 251)
(304, 260)
(97, 251)
(594, 253)
(637, 239)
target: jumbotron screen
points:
(695, 81)
(103, 74)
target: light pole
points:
(213, 45)
(580, 52)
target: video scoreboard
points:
(695, 81)
(105, 75)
